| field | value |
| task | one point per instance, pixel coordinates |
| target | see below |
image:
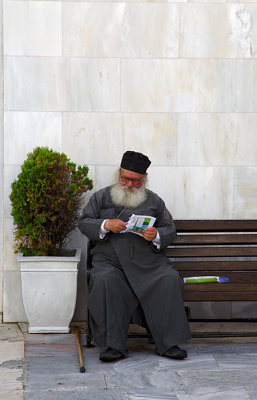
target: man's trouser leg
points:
(164, 310)
(111, 302)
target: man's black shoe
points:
(110, 354)
(174, 352)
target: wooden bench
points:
(214, 247)
(220, 248)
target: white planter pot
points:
(49, 291)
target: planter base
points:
(50, 329)
(49, 291)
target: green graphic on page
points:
(141, 224)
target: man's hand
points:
(115, 225)
(150, 233)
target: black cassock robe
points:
(128, 270)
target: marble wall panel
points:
(93, 138)
(13, 305)
(10, 262)
(10, 174)
(236, 35)
(105, 176)
(1, 294)
(213, 1)
(154, 134)
(32, 84)
(120, 30)
(1, 164)
(94, 85)
(102, 176)
(129, 1)
(26, 130)
(62, 84)
(246, 96)
(217, 139)
(196, 192)
(245, 192)
(167, 85)
(245, 1)
(91, 175)
(157, 1)
(146, 1)
(33, 28)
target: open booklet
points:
(138, 223)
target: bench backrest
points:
(220, 248)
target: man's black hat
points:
(135, 162)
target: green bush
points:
(46, 201)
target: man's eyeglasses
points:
(135, 181)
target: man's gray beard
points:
(128, 197)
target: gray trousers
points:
(111, 302)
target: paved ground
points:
(216, 369)
(11, 362)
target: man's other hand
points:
(115, 225)
(150, 233)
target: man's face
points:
(131, 179)
(130, 191)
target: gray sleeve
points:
(90, 221)
(165, 226)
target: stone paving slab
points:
(252, 393)
(83, 394)
(216, 369)
(11, 343)
(11, 362)
(10, 332)
(226, 378)
(206, 393)
(209, 373)
(232, 361)
(146, 379)
(193, 362)
(137, 362)
(152, 394)
(11, 387)
(226, 348)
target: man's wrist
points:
(103, 231)
(157, 240)
(106, 225)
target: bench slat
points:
(221, 287)
(220, 296)
(216, 225)
(215, 265)
(215, 239)
(211, 252)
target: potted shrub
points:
(46, 202)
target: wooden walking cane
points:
(82, 368)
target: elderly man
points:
(131, 269)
